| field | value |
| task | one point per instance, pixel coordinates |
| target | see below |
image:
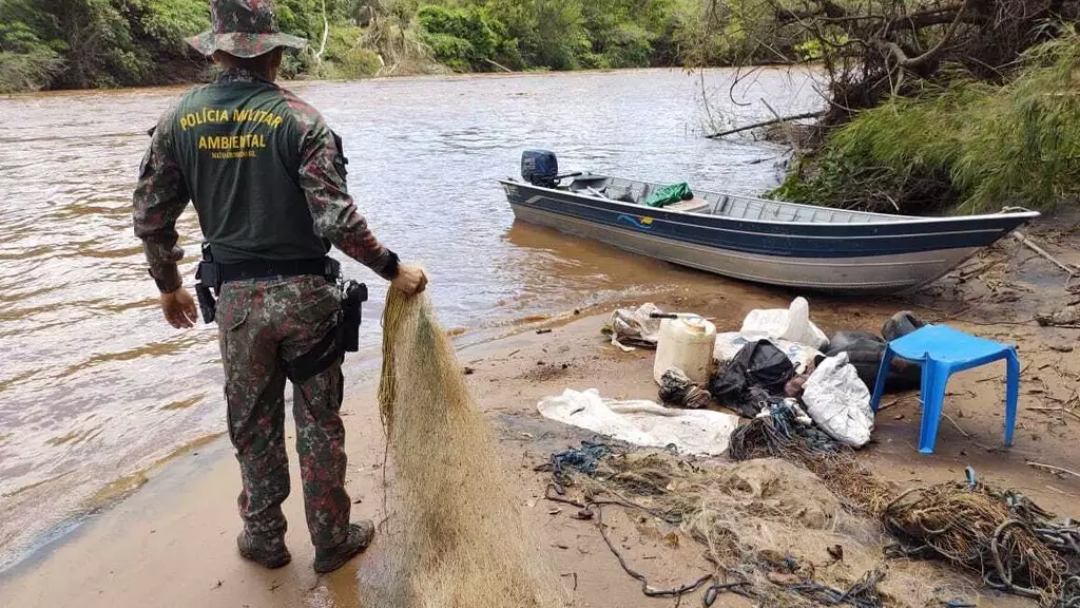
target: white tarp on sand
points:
(642, 423)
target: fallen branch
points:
(1054, 410)
(962, 431)
(1039, 250)
(766, 123)
(791, 138)
(499, 65)
(1039, 465)
(885, 406)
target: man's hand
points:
(410, 279)
(179, 308)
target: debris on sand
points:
(769, 527)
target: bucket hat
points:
(243, 28)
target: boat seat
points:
(619, 193)
(694, 205)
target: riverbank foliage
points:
(48, 44)
(966, 143)
(929, 106)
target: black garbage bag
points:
(865, 351)
(759, 365)
(900, 325)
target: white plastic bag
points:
(793, 325)
(635, 327)
(729, 344)
(839, 402)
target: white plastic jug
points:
(686, 343)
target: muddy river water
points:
(95, 386)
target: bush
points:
(464, 39)
(28, 71)
(345, 58)
(978, 145)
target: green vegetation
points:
(109, 43)
(92, 43)
(952, 105)
(981, 146)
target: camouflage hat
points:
(243, 28)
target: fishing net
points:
(771, 530)
(459, 540)
(781, 435)
(1002, 535)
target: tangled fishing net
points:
(1002, 535)
(459, 541)
(771, 530)
(781, 435)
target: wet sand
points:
(173, 542)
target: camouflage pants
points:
(261, 325)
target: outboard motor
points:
(540, 168)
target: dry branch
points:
(765, 123)
(1042, 252)
(1039, 465)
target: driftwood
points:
(1047, 467)
(499, 65)
(766, 123)
(792, 141)
(1042, 252)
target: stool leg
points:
(882, 374)
(934, 378)
(1012, 394)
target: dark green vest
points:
(238, 146)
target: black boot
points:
(268, 554)
(360, 535)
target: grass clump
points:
(969, 145)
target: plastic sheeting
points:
(839, 402)
(642, 423)
(793, 325)
(667, 195)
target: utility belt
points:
(344, 337)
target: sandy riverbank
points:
(172, 542)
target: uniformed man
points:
(267, 178)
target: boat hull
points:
(889, 257)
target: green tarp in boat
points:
(667, 195)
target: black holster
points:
(353, 295)
(343, 338)
(207, 278)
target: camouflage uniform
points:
(267, 179)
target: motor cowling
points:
(540, 168)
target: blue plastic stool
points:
(943, 351)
